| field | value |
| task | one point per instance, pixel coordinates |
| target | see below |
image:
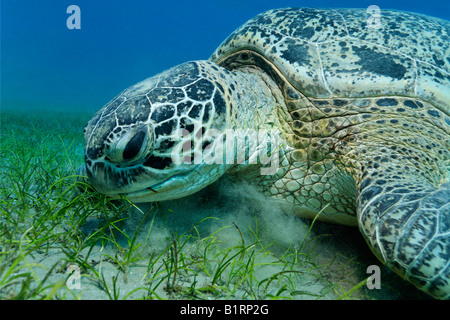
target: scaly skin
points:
(364, 125)
(207, 97)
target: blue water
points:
(44, 65)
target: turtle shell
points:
(327, 53)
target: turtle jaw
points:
(180, 185)
(150, 186)
(176, 186)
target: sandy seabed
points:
(231, 212)
(227, 241)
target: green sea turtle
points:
(362, 115)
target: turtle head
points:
(148, 143)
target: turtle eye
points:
(134, 146)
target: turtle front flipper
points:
(407, 225)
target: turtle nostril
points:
(134, 146)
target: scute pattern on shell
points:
(332, 53)
(363, 116)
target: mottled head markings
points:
(129, 142)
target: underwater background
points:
(46, 66)
(223, 242)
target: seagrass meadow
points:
(61, 240)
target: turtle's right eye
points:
(132, 146)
